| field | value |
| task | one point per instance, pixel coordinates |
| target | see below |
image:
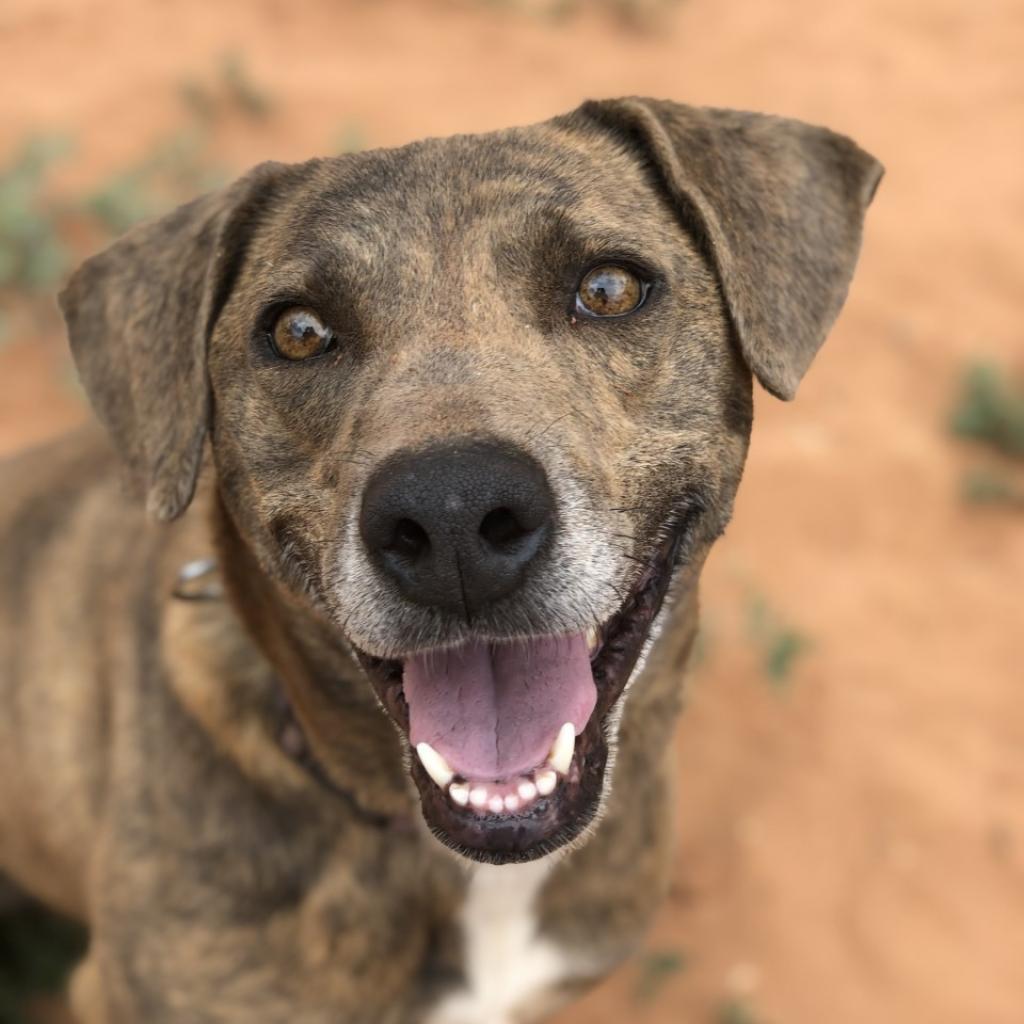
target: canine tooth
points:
(496, 804)
(527, 791)
(478, 796)
(511, 802)
(562, 749)
(546, 782)
(459, 792)
(592, 638)
(436, 766)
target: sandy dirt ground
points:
(851, 843)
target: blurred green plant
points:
(654, 969)
(351, 138)
(32, 253)
(175, 169)
(991, 487)
(37, 951)
(636, 14)
(990, 409)
(233, 91)
(779, 644)
(736, 1011)
(241, 90)
(180, 166)
(34, 220)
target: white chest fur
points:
(508, 965)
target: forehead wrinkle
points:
(449, 180)
(589, 234)
(377, 199)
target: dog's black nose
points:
(456, 526)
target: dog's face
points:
(476, 400)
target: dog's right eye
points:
(610, 291)
(300, 334)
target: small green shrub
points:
(351, 138)
(636, 14)
(654, 969)
(779, 644)
(990, 410)
(991, 487)
(176, 169)
(232, 91)
(736, 1011)
(32, 253)
(241, 91)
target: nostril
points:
(409, 539)
(502, 529)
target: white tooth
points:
(511, 802)
(459, 792)
(562, 749)
(546, 782)
(436, 765)
(527, 791)
(496, 804)
(592, 637)
(478, 796)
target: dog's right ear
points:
(139, 317)
(776, 204)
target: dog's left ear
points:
(139, 316)
(778, 206)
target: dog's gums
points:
(532, 784)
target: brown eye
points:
(609, 291)
(300, 334)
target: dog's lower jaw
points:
(497, 823)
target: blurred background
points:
(851, 781)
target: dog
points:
(379, 731)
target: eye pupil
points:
(300, 334)
(609, 290)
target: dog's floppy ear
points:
(778, 206)
(139, 316)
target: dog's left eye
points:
(609, 290)
(300, 334)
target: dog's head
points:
(476, 400)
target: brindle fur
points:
(143, 787)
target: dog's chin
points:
(534, 811)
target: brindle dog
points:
(458, 423)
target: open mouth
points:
(510, 738)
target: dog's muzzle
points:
(510, 735)
(458, 527)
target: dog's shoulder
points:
(45, 481)
(62, 513)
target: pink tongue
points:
(493, 710)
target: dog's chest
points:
(510, 969)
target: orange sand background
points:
(850, 844)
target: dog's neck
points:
(349, 737)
